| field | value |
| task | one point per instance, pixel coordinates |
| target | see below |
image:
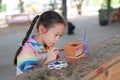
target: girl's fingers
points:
(54, 49)
(57, 52)
(52, 46)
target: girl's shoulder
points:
(37, 47)
(33, 43)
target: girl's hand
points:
(52, 54)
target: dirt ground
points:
(98, 54)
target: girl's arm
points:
(52, 55)
(26, 60)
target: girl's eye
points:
(59, 35)
(56, 35)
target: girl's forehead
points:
(58, 27)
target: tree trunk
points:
(64, 10)
(0, 5)
(79, 6)
(21, 3)
(108, 8)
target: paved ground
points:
(10, 36)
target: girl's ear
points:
(42, 29)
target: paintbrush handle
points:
(46, 51)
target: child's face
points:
(53, 34)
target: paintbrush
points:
(46, 51)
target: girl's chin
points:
(50, 45)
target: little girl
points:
(41, 46)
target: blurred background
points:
(67, 8)
(100, 18)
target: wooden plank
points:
(107, 71)
(113, 73)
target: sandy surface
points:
(98, 54)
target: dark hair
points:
(46, 19)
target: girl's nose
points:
(57, 38)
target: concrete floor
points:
(10, 36)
